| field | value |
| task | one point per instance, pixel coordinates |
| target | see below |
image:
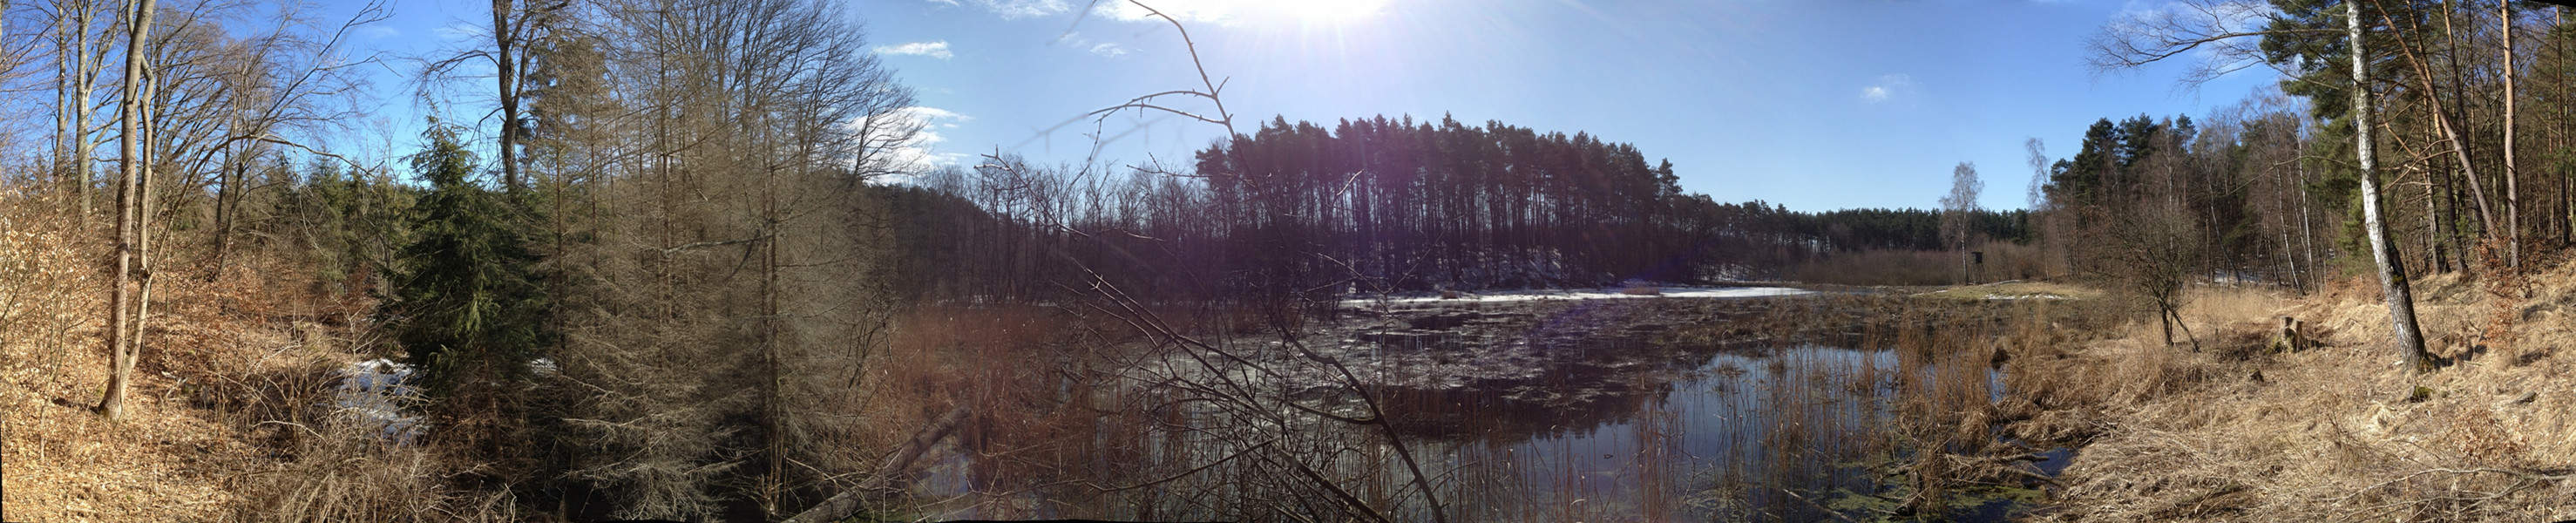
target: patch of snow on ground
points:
(1564, 294)
(373, 391)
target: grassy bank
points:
(2335, 431)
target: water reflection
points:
(1612, 428)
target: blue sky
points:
(1815, 104)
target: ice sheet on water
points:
(1589, 294)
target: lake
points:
(1758, 407)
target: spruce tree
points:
(468, 308)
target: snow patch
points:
(372, 393)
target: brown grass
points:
(2239, 432)
(228, 411)
(2016, 290)
(64, 463)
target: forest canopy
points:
(1373, 204)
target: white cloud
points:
(1015, 9)
(1888, 87)
(1231, 12)
(933, 114)
(938, 49)
(1218, 12)
(1076, 40)
(459, 32)
(922, 153)
(1188, 11)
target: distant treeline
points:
(1369, 204)
(2240, 194)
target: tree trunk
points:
(63, 109)
(143, 213)
(2392, 271)
(2434, 222)
(504, 38)
(2165, 317)
(2512, 195)
(227, 207)
(2307, 234)
(2450, 132)
(125, 321)
(84, 82)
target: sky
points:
(1812, 104)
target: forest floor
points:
(229, 416)
(2334, 431)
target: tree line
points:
(1368, 205)
(2418, 145)
(643, 288)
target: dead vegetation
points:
(230, 417)
(2336, 432)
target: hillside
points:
(2334, 432)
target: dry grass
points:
(228, 412)
(2240, 432)
(2016, 290)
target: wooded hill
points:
(1371, 204)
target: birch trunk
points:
(2512, 195)
(2392, 271)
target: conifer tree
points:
(467, 309)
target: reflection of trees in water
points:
(1664, 431)
(1561, 397)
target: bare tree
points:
(2038, 171)
(294, 76)
(2225, 33)
(125, 321)
(1959, 213)
(2230, 29)
(2449, 120)
(723, 319)
(516, 26)
(79, 54)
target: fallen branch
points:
(851, 501)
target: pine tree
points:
(467, 308)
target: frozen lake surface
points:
(1582, 294)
